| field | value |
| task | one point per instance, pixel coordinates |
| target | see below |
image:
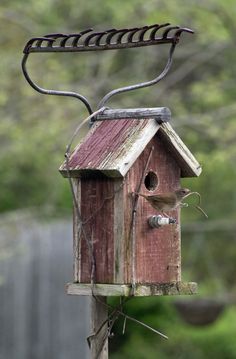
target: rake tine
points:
(144, 30)
(39, 42)
(36, 41)
(63, 41)
(112, 32)
(157, 28)
(78, 36)
(66, 38)
(183, 29)
(121, 33)
(90, 37)
(54, 36)
(131, 34)
(153, 32)
(165, 33)
(99, 37)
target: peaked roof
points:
(111, 147)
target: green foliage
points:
(214, 340)
(199, 90)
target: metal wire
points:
(143, 84)
(52, 92)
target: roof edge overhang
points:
(190, 167)
(129, 151)
(117, 164)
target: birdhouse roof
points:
(111, 147)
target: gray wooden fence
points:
(37, 319)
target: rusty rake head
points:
(89, 40)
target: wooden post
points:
(99, 342)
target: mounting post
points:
(99, 315)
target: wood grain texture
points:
(187, 162)
(99, 316)
(119, 210)
(97, 210)
(158, 257)
(107, 203)
(140, 290)
(161, 114)
(76, 233)
(106, 208)
(111, 147)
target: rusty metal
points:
(52, 92)
(89, 40)
(111, 39)
(142, 84)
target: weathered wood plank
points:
(119, 210)
(107, 217)
(111, 147)
(157, 254)
(140, 290)
(98, 338)
(187, 162)
(76, 232)
(97, 209)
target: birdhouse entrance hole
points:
(151, 181)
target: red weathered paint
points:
(97, 210)
(105, 141)
(157, 256)
(157, 250)
(107, 215)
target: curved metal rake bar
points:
(111, 39)
(52, 92)
(143, 84)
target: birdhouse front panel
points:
(157, 250)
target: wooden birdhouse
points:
(118, 246)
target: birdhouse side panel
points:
(157, 253)
(95, 248)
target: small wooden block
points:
(125, 290)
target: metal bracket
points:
(89, 40)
